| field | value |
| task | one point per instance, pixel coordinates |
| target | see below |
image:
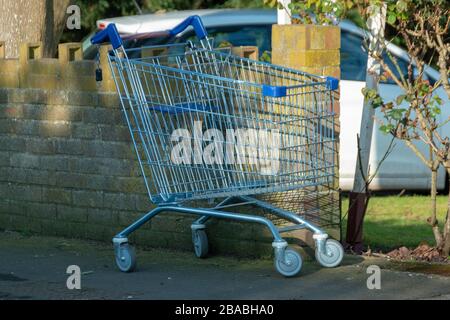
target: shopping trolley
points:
(213, 131)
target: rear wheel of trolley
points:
(291, 264)
(333, 255)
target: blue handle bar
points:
(110, 33)
(193, 21)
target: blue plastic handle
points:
(193, 21)
(109, 34)
(332, 83)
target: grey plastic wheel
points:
(335, 254)
(200, 242)
(126, 259)
(291, 265)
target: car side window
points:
(353, 57)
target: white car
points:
(401, 170)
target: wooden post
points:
(376, 36)
(284, 14)
(358, 198)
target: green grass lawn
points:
(393, 221)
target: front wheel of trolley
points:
(200, 242)
(126, 258)
(332, 254)
(290, 265)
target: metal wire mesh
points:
(319, 205)
(204, 127)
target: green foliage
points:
(242, 4)
(266, 57)
(316, 11)
(397, 10)
(396, 114)
(402, 10)
(400, 99)
(393, 221)
(372, 96)
(328, 11)
(225, 44)
(170, 5)
(91, 11)
(386, 128)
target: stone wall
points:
(67, 166)
(309, 48)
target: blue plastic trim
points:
(109, 34)
(193, 21)
(184, 107)
(274, 91)
(332, 83)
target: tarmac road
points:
(33, 267)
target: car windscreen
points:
(245, 35)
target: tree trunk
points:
(432, 220)
(357, 208)
(446, 231)
(32, 21)
(446, 241)
(55, 24)
(22, 21)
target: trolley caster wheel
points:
(200, 242)
(290, 265)
(333, 255)
(126, 258)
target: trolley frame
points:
(288, 263)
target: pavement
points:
(34, 267)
